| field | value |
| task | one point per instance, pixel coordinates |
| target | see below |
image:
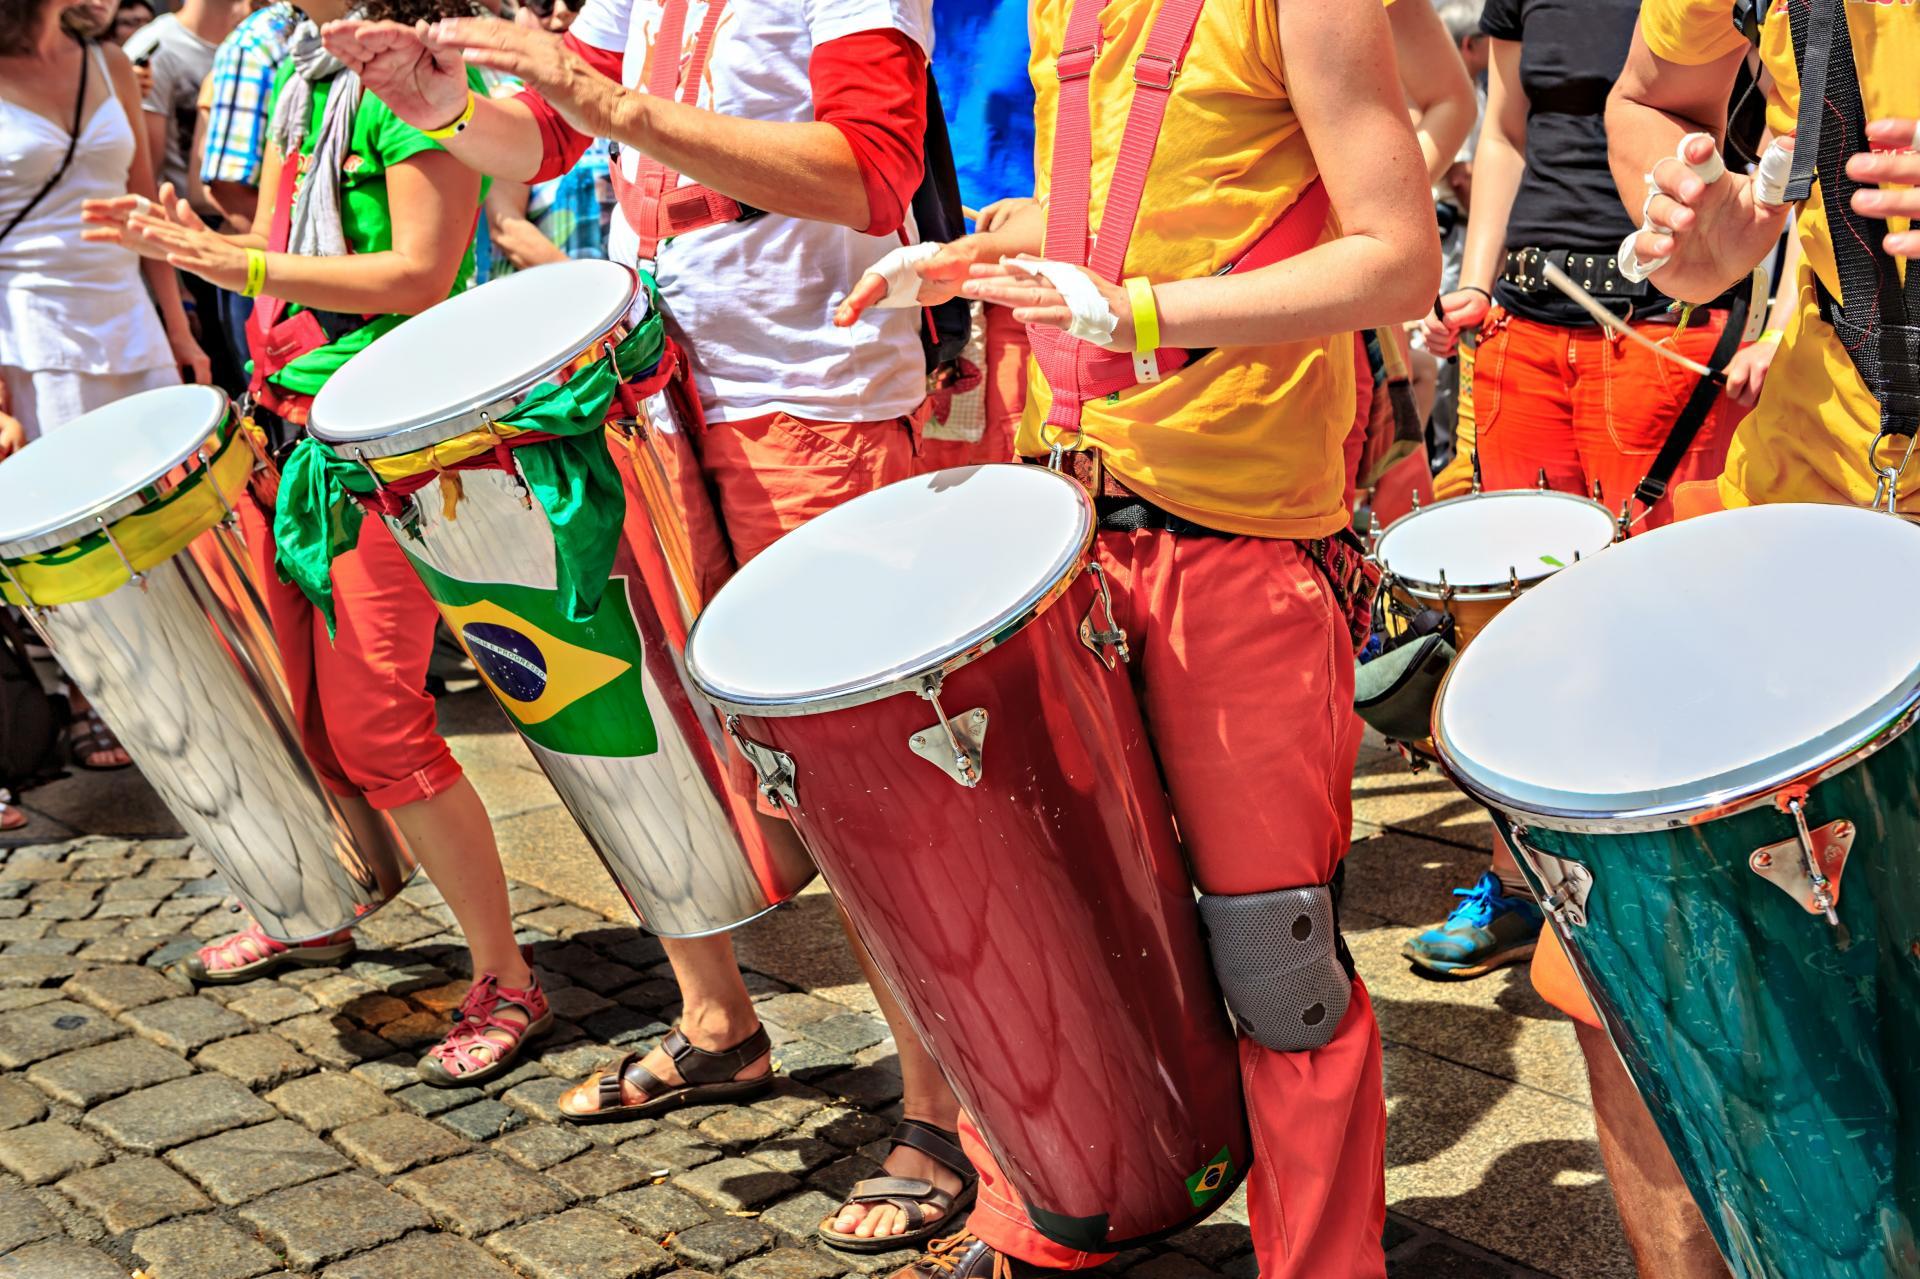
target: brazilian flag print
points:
(1206, 1183)
(573, 688)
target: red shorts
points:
(1245, 674)
(361, 701)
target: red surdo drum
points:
(929, 681)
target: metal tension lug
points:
(1109, 642)
(1790, 866)
(1568, 883)
(956, 746)
(778, 777)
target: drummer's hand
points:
(1893, 163)
(1712, 233)
(1462, 309)
(588, 100)
(122, 220)
(420, 80)
(1011, 283)
(941, 277)
(190, 245)
(995, 215)
(13, 435)
(1747, 370)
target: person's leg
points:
(1663, 1224)
(1006, 373)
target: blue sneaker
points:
(1487, 930)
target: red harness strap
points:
(655, 206)
(1077, 371)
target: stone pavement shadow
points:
(1431, 1115)
(1549, 1198)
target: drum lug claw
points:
(956, 746)
(778, 777)
(1109, 641)
(1568, 883)
(1808, 867)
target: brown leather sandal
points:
(932, 1209)
(709, 1077)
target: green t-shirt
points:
(380, 140)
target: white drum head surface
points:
(472, 350)
(1484, 540)
(891, 584)
(84, 467)
(1701, 661)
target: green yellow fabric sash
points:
(572, 477)
(89, 567)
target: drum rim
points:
(1423, 589)
(1728, 801)
(474, 413)
(110, 511)
(927, 674)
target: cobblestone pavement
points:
(278, 1128)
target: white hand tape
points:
(1629, 261)
(1776, 168)
(1710, 170)
(141, 205)
(1093, 320)
(1915, 144)
(898, 270)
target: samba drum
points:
(929, 681)
(491, 462)
(117, 532)
(1709, 780)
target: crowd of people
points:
(1316, 297)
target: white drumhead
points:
(76, 471)
(470, 351)
(1708, 659)
(1486, 539)
(889, 585)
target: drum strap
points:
(1874, 316)
(655, 205)
(273, 341)
(1693, 414)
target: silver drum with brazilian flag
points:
(522, 443)
(117, 535)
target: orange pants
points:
(1589, 408)
(1006, 391)
(1245, 674)
(360, 699)
(1553, 974)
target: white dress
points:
(77, 327)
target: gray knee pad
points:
(1279, 960)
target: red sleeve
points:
(872, 86)
(562, 145)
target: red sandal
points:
(252, 953)
(472, 1053)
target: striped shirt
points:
(243, 74)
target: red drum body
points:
(990, 813)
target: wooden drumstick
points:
(1612, 323)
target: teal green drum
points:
(1698, 745)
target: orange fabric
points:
(1245, 675)
(366, 719)
(1248, 438)
(1588, 408)
(1553, 974)
(1005, 378)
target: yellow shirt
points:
(1807, 439)
(1247, 439)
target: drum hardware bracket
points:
(1104, 643)
(134, 575)
(955, 745)
(1808, 867)
(213, 482)
(1568, 883)
(20, 589)
(775, 769)
(499, 445)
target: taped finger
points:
(1710, 170)
(899, 270)
(1630, 263)
(1776, 168)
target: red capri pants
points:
(1245, 673)
(360, 699)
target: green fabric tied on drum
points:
(572, 476)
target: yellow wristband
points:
(256, 273)
(460, 122)
(1146, 314)
(1771, 335)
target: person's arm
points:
(1747, 370)
(161, 281)
(1716, 232)
(1383, 268)
(1436, 83)
(515, 237)
(1499, 162)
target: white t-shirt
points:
(753, 301)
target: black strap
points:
(1693, 414)
(73, 142)
(937, 1144)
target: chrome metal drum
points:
(438, 411)
(1699, 747)
(117, 531)
(931, 684)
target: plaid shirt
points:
(243, 74)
